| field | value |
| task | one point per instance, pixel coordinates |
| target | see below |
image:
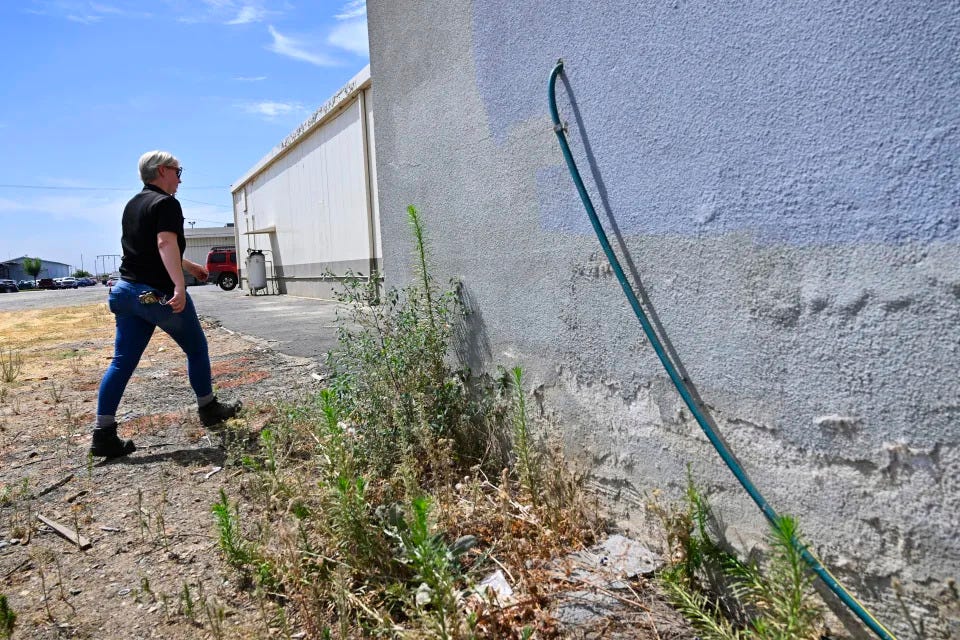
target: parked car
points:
(27, 284)
(68, 283)
(86, 282)
(46, 283)
(222, 265)
(8, 286)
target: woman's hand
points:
(196, 270)
(179, 300)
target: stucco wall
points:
(783, 180)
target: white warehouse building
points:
(310, 204)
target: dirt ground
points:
(152, 568)
(147, 517)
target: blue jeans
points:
(135, 325)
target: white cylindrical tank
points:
(256, 270)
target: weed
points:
(390, 374)
(145, 588)
(433, 564)
(8, 618)
(728, 599)
(56, 392)
(11, 364)
(143, 518)
(229, 538)
(186, 602)
(527, 462)
(216, 614)
(4, 390)
(40, 556)
(72, 420)
(354, 491)
(350, 521)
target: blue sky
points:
(90, 85)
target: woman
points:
(151, 293)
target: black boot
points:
(107, 444)
(216, 412)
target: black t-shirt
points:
(147, 214)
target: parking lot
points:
(295, 326)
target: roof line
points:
(329, 109)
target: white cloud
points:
(85, 19)
(274, 110)
(292, 48)
(250, 78)
(229, 12)
(353, 9)
(82, 12)
(90, 208)
(248, 14)
(105, 211)
(351, 36)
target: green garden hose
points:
(738, 471)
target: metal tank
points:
(256, 269)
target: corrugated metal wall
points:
(198, 247)
(311, 203)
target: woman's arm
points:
(170, 255)
(198, 271)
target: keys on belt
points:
(152, 297)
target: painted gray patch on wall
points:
(800, 122)
(827, 349)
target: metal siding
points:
(198, 247)
(315, 197)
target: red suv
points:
(222, 265)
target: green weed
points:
(354, 491)
(11, 364)
(436, 597)
(229, 536)
(8, 618)
(527, 461)
(391, 376)
(729, 599)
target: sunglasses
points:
(178, 169)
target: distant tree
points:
(33, 267)
(81, 273)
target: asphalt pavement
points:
(296, 326)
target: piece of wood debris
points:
(66, 532)
(56, 485)
(17, 568)
(78, 494)
(110, 529)
(32, 461)
(213, 471)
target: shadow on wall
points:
(470, 341)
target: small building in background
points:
(310, 204)
(12, 269)
(200, 240)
